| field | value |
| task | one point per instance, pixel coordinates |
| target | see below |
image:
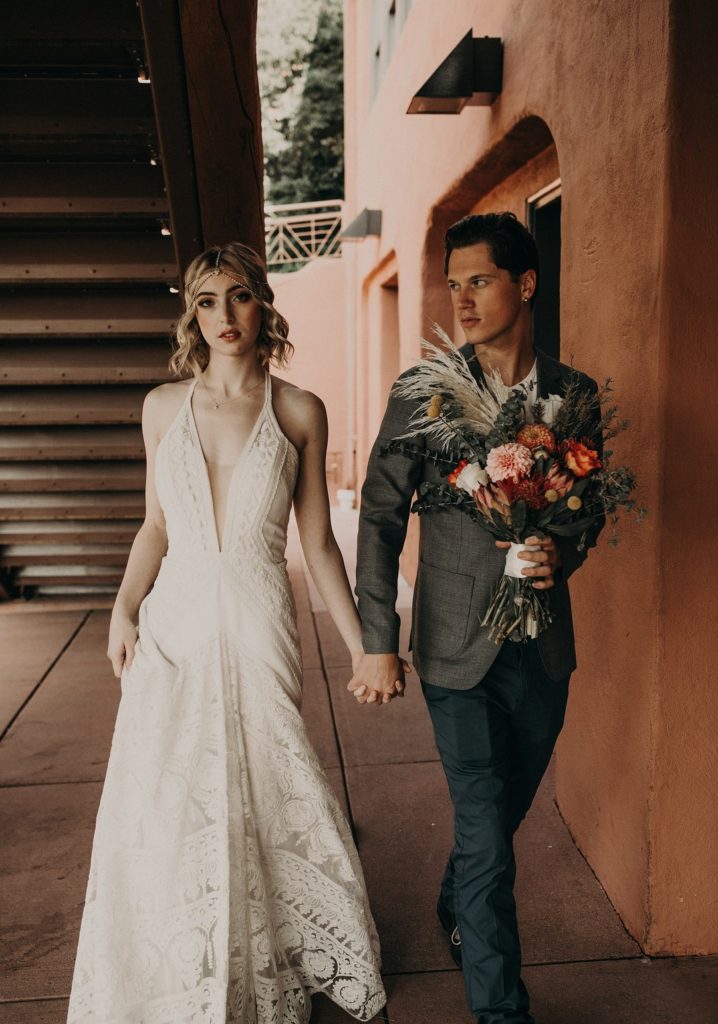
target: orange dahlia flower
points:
(537, 435)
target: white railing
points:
(299, 232)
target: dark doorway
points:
(544, 222)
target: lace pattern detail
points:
(224, 885)
(180, 486)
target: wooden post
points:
(163, 45)
(219, 42)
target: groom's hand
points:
(378, 678)
(542, 564)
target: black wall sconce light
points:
(367, 223)
(470, 76)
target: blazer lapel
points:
(467, 352)
(549, 376)
(549, 372)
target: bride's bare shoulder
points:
(300, 413)
(162, 404)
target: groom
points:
(496, 710)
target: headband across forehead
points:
(217, 270)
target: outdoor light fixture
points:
(470, 76)
(143, 78)
(367, 223)
(164, 230)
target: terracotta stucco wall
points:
(597, 82)
(684, 834)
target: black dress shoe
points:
(525, 1019)
(448, 923)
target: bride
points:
(224, 885)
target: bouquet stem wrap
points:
(517, 611)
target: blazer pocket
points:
(443, 606)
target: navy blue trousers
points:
(495, 741)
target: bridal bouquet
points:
(519, 466)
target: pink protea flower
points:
(509, 462)
(492, 498)
(558, 480)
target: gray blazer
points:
(459, 564)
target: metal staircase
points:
(85, 301)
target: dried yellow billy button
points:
(574, 502)
(551, 495)
(434, 410)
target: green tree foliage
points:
(284, 37)
(311, 166)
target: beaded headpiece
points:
(217, 269)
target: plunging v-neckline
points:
(220, 541)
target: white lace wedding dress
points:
(224, 886)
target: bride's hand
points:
(121, 643)
(377, 678)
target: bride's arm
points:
(148, 548)
(311, 506)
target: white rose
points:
(471, 477)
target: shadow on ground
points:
(57, 706)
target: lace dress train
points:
(224, 884)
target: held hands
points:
(121, 643)
(542, 564)
(377, 678)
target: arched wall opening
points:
(379, 352)
(521, 164)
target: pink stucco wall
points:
(313, 301)
(609, 96)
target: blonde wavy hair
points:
(191, 351)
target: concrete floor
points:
(58, 700)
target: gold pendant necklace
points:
(218, 405)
